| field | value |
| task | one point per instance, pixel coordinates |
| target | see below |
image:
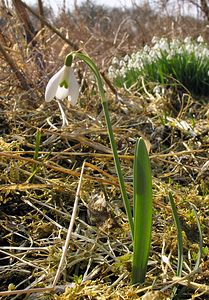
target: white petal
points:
(73, 88)
(62, 92)
(53, 84)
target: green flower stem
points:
(95, 70)
(118, 168)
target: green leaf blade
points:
(142, 212)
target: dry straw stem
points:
(30, 291)
(23, 186)
(103, 155)
(186, 281)
(113, 180)
(58, 169)
(201, 288)
(65, 249)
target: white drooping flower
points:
(200, 39)
(63, 85)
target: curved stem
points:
(95, 70)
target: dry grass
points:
(37, 196)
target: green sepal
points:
(69, 60)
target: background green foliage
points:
(167, 62)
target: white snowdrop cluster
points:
(161, 48)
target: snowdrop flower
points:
(155, 40)
(126, 58)
(188, 40)
(200, 39)
(63, 84)
(115, 61)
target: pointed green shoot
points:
(142, 212)
(35, 156)
(199, 256)
(179, 235)
(37, 145)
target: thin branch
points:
(51, 27)
(21, 78)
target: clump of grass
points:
(166, 62)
